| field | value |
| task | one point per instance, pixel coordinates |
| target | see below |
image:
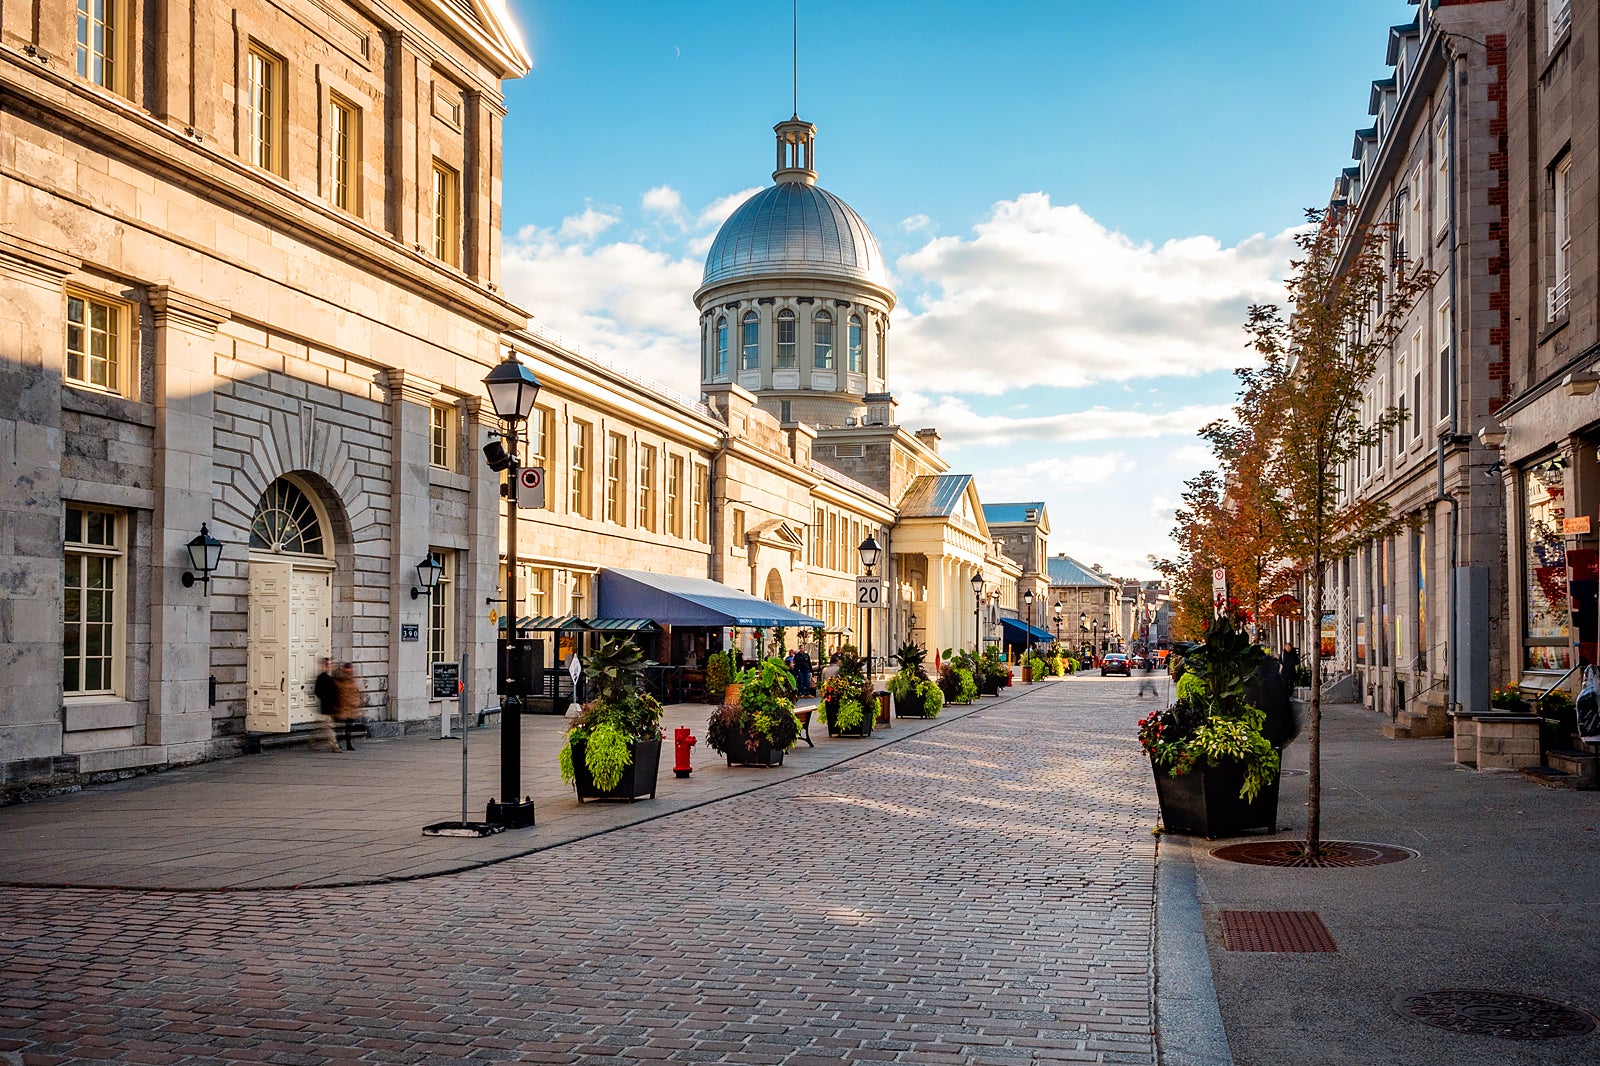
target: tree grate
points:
(1483, 1012)
(1336, 854)
(1300, 931)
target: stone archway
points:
(773, 593)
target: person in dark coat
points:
(326, 690)
(1269, 691)
(1291, 663)
(802, 672)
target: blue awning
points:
(689, 601)
(1019, 632)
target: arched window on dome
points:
(883, 350)
(855, 344)
(750, 342)
(822, 341)
(788, 341)
(722, 346)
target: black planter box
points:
(763, 754)
(915, 709)
(1205, 802)
(638, 779)
(831, 707)
(989, 686)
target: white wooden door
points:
(310, 639)
(267, 708)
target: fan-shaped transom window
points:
(285, 521)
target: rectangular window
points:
(750, 343)
(441, 612)
(738, 529)
(883, 351)
(1443, 379)
(1441, 178)
(264, 110)
(95, 339)
(441, 437)
(1546, 637)
(91, 644)
(647, 487)
(722, 347)
(536, 591)
(822, 341)
(446, 200)
(675, 496)
(1559, 14)
(540, 421)
(702, 491)
(1401, 402)
(344, 154)
(788, 345)
(1413, 428)
(1380, 407)
(615, 447)
(1416, 225)
(1561, 212)
(578, 469)
(855, 345)
(100, 42)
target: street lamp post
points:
(1058, 626)
(1027, 598)
(869, 551)
(1083, 633)
(977, 613)
(512, 391)
(1094, 628)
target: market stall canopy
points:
(571, 623)
(1018, 632)
(690, 601)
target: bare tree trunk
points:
(1314, 773)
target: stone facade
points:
(195, 314)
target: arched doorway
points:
(291, 605)
(774, 593)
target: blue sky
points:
(1082, 196)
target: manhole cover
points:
(1504, 1014)
(1275, 931)
(1335, 854)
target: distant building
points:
(1090, 602)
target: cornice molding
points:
(406, 385)
(179, 310)
(26, 260)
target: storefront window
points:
(1546, 643)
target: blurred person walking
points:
(326, 690)
(350, 700)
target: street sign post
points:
(530, 488)
(1219, 590)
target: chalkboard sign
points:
(446, 681)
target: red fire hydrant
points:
(682, 741)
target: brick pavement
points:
(979, 893)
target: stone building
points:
(1412, 615)
(248, 262)
(1482, 153)
(1089, 602)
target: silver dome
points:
(795, 228)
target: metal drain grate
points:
(1482, 1012)
(1335, 854)
(1275, 931)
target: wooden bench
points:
(805, 725)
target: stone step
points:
(1551, 778)
(1411, 725)
(1581, 766)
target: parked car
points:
(1115, 663)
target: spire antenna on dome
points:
(795, 67)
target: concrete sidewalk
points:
(1504, 896)
(296, 816)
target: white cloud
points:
(1022, 481)
(663, 200)
(959, 424)
(917, 224)
(717, 211)
(587, 226)
(1056, 298)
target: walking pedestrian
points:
(802, 672)
(1146, 683)
(1291, 664)
(349, 703)
(326, 690)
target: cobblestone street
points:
(981, 892)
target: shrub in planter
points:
(915, 694)
(956, 684)
(1213, 730)
(613, 751)
(847, 700)
(761, 726)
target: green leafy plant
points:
(765, 711)
(719, 673)
(850, 715)
(1211, 719)
(912, 689)
(620, 714)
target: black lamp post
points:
(1083, 630)
(869, 552)
(512, 392)
(977, 613)
(1094, 628)
(1027, 598)
(1058, 625)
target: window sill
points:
(90, 401)
(449, 479)
(1556, 325)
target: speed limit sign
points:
(530, 487)
(869, 592)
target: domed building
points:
(795, 302)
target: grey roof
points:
(1070, 572)
(934, 495)
(795, 228)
